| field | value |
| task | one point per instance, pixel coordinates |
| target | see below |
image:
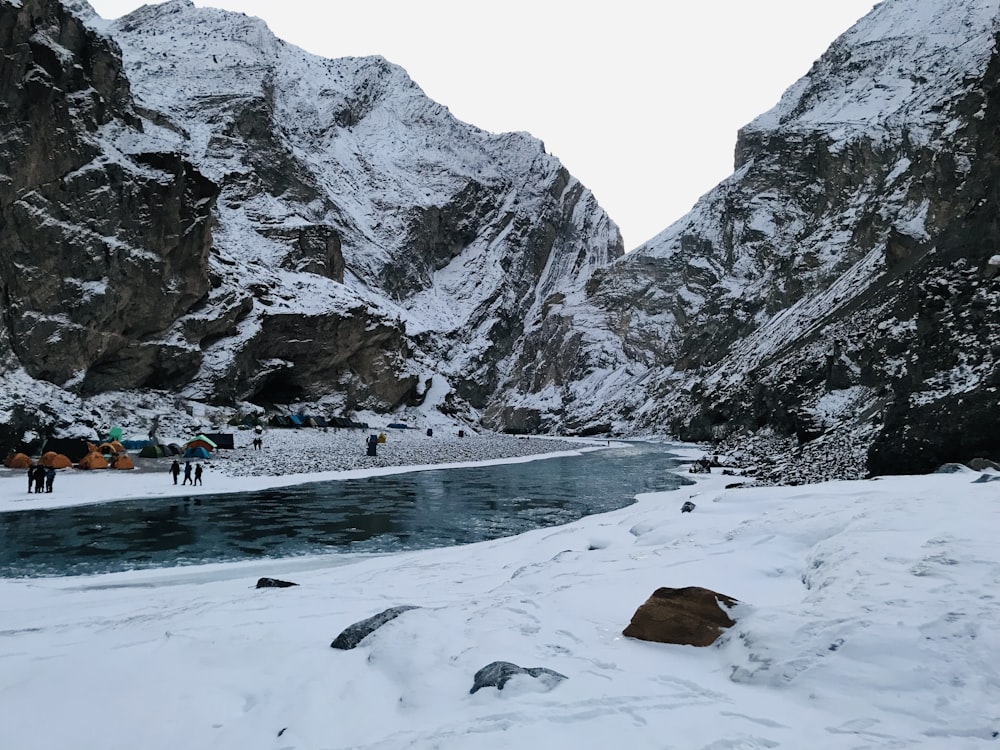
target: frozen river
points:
(379, 514)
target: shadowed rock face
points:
(98, 253)
(691, 616)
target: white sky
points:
(640, 100)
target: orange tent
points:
(55, 460)
(18, 461)
(122, 461)
(93, 460)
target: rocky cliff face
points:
(97, 251)
(191, 206)
(840, 288)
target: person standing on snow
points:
(187, 473)
(175, 470)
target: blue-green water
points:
(378, 514)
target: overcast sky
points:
(640, 99)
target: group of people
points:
(175, 470)
(40, 478)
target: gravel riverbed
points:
(307, 451)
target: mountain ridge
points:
(350, 246)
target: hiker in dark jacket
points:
(50, 477)
(197, 474)
(39, 479)
(175, 470)
(187, 473)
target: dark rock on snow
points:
(691, 616)
(688, 507)
(982, 464)
(498, 673)
(354, 634)
(273, 583)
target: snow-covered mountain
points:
(841, 284)
(329, 234)
(194, 209)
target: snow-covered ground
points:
(868, 620)
(288, 457)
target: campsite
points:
(113, 452)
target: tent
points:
(173, 449)
(296, 420)
(73, 448)
(200, 441)
(197, 452)
(152, 450)
(122, 461)
(345, 422)
(115, 434)
(55, 460)
(221, 439)
(18, 461)
(93, 460)
(114, 447)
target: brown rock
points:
(691, 616)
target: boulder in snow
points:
(354, 634)
(691, 616)
(496, 674)
(273, 583)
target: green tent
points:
(152, 450)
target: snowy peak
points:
(896, 67)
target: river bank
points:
(287, 457)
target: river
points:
(416, 510)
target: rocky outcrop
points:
(98, 252)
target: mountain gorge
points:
(194, 212)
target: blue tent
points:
(197, 452)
